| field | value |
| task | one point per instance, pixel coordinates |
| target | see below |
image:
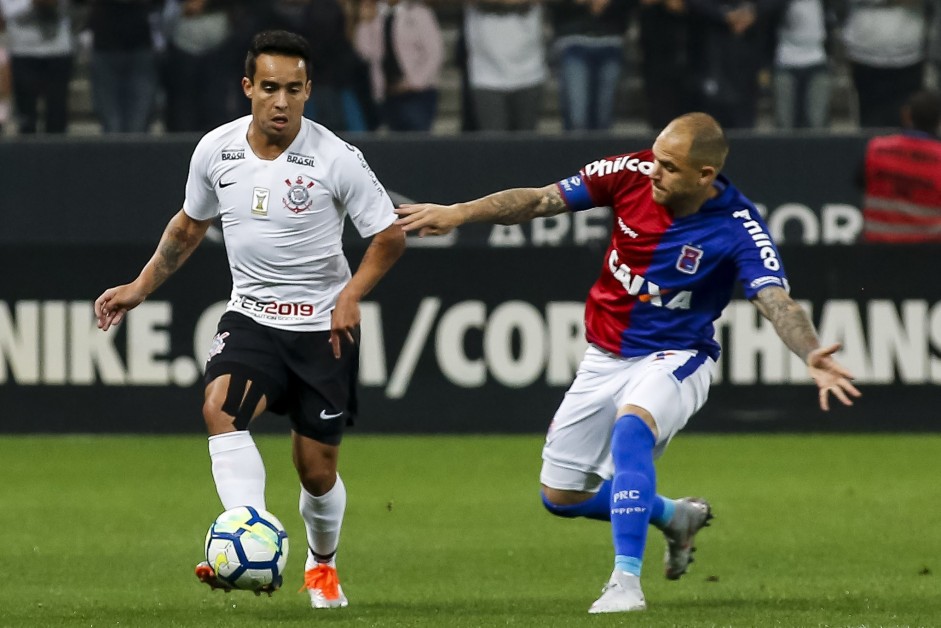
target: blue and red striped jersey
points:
(665, 280)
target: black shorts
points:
(297, 372)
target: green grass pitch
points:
(810, 530)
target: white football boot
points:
(692, 514)
(622, 594)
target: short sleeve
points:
(756, 256)
(598, 183)
(201, 202)
(358, 189)
(575, 193)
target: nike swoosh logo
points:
(226, 184)
(324, 415)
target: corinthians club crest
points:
(298, 198)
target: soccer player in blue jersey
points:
(682, 235)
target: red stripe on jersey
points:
(638, 225)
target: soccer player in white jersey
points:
(288, 341)
(682, 236)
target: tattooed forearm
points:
(511, 207)
(173, 250)
(180, 239)
(789, 319)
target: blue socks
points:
(599, 507)
(632, 491)
(661, 511)
(628, 500)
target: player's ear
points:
(247, 87)
(707, 175)
(307, 89)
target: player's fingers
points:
(118, 317)
(102, 302)
(409, 214)
(409, 223)
(108, 321)
(349, 336)
(335, 343)
(849, 388)
(824, 395)
(840, 394)
(828, 350)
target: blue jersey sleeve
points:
(575, 193)
(756, 255)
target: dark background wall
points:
(477, 333)
(123, 190)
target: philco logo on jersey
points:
(298, 197)
(762, 240)
(646, 291)
(233, 154)
(603, 166)
(301, 160)
(689, 259)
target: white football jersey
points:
(282, 219)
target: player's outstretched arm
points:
(181, 237)
(797, 331)
(383, 251)
(508, 207)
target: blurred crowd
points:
(378, 64)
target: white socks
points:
(323, 517)
(240, 481)
(237, 469)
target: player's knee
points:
(217, 421)
(563, 503)
(231, 402)
(317, 481)
(559, 510)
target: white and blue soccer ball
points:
(247, 548)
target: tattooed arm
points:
(181, 237)
(789, 320)
(508, 207)
(795, 328)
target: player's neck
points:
(269, 147)
(694, 204)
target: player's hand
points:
(114, 303)
(427, 218)
(831, 376)
(343, 322)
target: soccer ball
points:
(247, 548)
